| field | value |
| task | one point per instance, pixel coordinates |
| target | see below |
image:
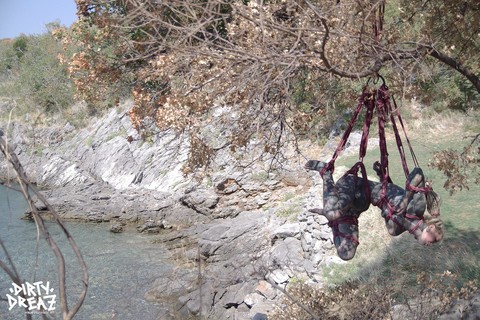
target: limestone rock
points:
(116, 228)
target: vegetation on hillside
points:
(281, 66)
(31, 74)
(269, 73)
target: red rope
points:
(336, 231)
(377, 21)
(380, 100)
(398, 139)
(370, 106)
(382, 118)
(354, 171)
(425, 189)
(397, 111)
(341, 146)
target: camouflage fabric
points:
(347, 197)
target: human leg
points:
(416, 178)
(330, 198)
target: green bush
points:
(31, 73)
(447, 89)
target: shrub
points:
(375, 299)
(33, 75)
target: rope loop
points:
(413, 188)
(378, 77)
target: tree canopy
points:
(278, 65)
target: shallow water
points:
(122, 267)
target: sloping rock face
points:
(109, 151)
(235, 237)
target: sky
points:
(31, 16)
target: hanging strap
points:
(397, 111)
(354, 171)
(369, 106)
(377, 21)
(382, 111)
(330, 166)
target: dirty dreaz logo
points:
(34, 297)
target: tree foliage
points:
(460, 168)
(31, 74)
(278, 65)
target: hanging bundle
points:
(377, 100)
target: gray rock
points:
(116, 228)
(253, 298)
(261, 310)
(236, 294)
(288, 253)
(307, 236)
(266, 289)
(150, 227)
(329, 260)
(322, 234)
(286, 230)
(464, 309)
(278, 276)
(203, 201)
(227, 186)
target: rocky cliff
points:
(247, 228)
(238, 236)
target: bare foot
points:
(315, 165)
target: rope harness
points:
(378, 100)
(334, 224)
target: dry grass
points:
(397, 273)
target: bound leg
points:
(417, 202)
(377, 167)
(329, 194)
(416, 178)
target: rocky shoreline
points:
(241, 234)
(238, 237)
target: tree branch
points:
(28, 190)
(455, 64)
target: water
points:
(122, 267)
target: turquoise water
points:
(122, 267)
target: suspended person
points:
(345, 200)
(403, 210)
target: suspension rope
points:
(379, 100)
(377, 20)
(365, 96)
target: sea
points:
(122, 267)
